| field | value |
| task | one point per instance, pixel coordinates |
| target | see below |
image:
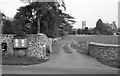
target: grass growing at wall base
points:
(111, 63)
(23, 60)
(66, 48)
(78, 49)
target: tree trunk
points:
(38, 30)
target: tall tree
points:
(86, 31)
(99, 25)
(103, 28)
(6, 25)
(79, 31)
(46, 17)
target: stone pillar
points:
(44, 51)
(50, 45)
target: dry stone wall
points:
(104, 52)
(107, 54)
(33, 43)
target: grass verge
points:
(15, 60)
(66, 49)
(78, 49)
(111, 63)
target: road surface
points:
(63, 63)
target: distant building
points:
(112, 25)
(83, 24)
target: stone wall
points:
(104, 52)
(8, 40)
(108, 55)
(33, 43)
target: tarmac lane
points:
(52, 70)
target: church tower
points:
(83, 24)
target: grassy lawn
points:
(16, 60)
(100, 39)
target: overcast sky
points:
(83, 10)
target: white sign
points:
(20, 43)
(16, 43)
(23, 42)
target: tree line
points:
(100, 29)
(48, 18)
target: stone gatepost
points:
(41, 45)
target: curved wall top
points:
(102, 44)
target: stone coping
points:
(102, 44)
